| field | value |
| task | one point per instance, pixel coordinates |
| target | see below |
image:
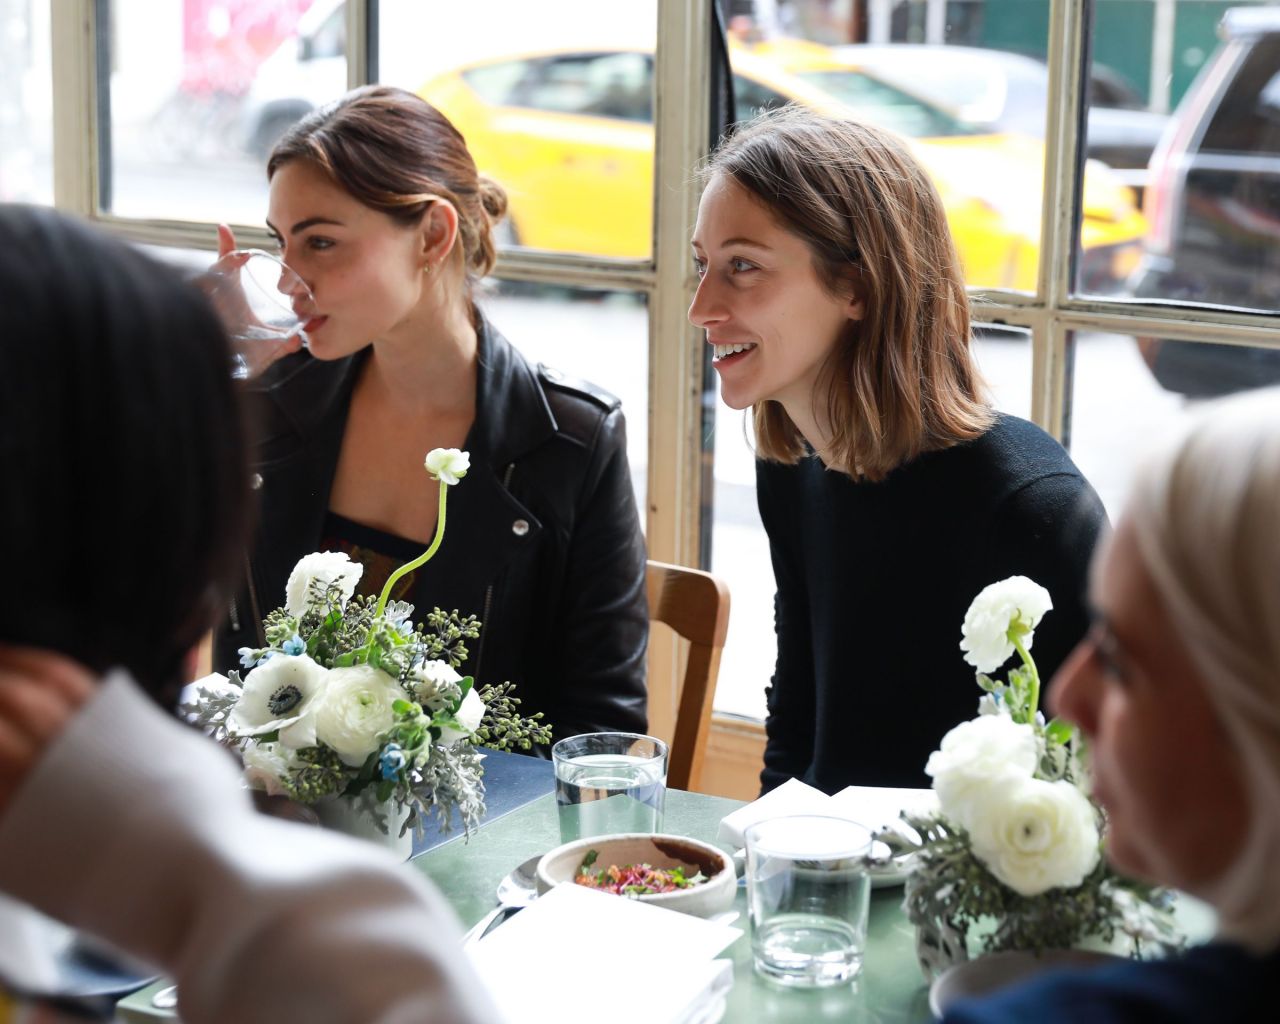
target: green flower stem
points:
(422, 559)
(1035, 678)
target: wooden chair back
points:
(696, 605)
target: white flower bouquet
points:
(350, 701)
(1012, 860)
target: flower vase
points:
(353, 817)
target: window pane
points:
(972, 110)
(564, 328)
(555, 100)
(1204, 148)
(201, 89)
(740, 548)
(1128, 391)
(26, 103)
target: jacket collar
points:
(512, 413)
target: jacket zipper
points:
(488, 593)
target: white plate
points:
(893, 873)
(999, 970)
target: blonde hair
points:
(902, 380)
(1206, 515)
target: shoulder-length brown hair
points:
(395, 152)
(902, 380)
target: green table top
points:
(891, 988)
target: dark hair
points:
(122, 451)
(395, 152)
(902, 380)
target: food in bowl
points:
(660, 851)
(633, 879)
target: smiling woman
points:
(890, 490)
(376, 204)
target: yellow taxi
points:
(570, 136)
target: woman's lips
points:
(314, 324)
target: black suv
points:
(1213, 202)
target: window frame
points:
(682, 68)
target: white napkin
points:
(30, 947)
(872, 806)
(577, 954)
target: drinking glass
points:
(609, 782)
(263, 305)
(808, 894)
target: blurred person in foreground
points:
(125, 512)
(1177, 688)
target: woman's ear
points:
(857, 308)
(439, 233)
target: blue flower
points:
(404, 627)
(392, 761)
(294, 646)
(250, 657)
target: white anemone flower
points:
(1012, 607)
(279, 694)
(448, 465)
(321, 568)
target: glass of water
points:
(609, 782)
(808, 893)
(263, 305)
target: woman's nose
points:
(1074, 689)
(706, 309)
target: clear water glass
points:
(263, 305)
(609, 782)
(808, 893)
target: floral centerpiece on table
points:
(1012, 859)
(351, 701)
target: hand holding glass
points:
(263, 306)
(609, 782)
(808, 893)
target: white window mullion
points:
(75, 102)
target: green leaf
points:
(1059, 731)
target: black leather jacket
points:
(543, 542)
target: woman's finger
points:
(226, 240)
(69, 679)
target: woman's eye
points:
(319, 244)
(741, 265)
(700, 267)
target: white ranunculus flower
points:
(355, 709)
(266, 765)
(1035, 835)
(426, 678)
(448, 465)
(977, 757)
(281, 694)
(468, 718)
(322, 567)
(985, 634)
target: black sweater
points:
(873, 581)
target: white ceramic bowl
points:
(659, 851)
